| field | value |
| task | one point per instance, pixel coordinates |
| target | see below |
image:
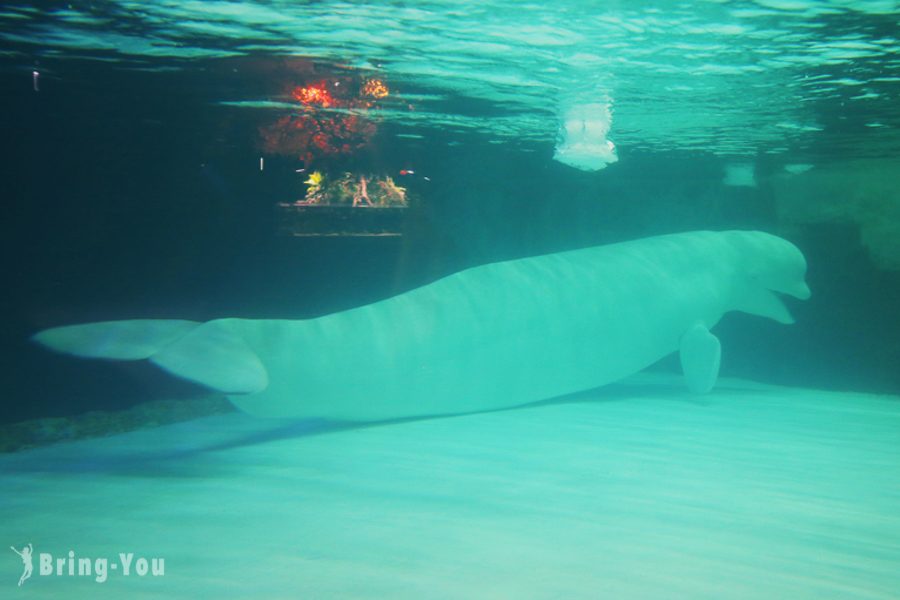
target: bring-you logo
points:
(69, 565)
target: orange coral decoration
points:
(309, 137)
(313, 134)
(315, 94)
(375, 88)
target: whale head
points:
(767, 267)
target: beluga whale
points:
(488, 337)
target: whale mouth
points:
(774, 307)
(800, 291)
(768, 300)
(796, 287)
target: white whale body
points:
(492, 336)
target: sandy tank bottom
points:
(635, 491)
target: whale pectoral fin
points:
(701, 355)
(116, 340)
(205, 353)
(216, 357)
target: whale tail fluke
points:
(206, 353)
(115, 340)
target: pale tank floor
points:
(635, 491)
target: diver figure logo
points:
(26, 554)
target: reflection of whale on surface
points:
(582, 139)
(493, 336)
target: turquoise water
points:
(223, 176)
